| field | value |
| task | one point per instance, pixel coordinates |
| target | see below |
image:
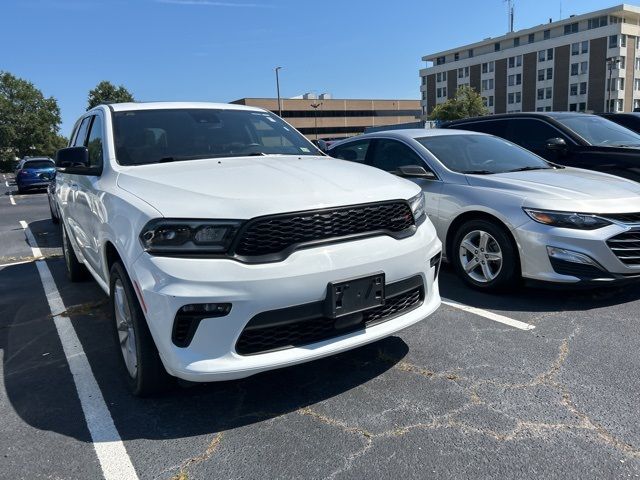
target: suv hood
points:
(566, 189)
(247, 187)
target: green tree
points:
(107, 92)
(464, 104)
(29, 122)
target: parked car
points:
(53, 202)
(35, 173)
(229, 247)
(627, 120)
(567, 138)
(325, 143)
(504, 213)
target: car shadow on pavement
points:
(531, 298)
(46, 233)
(40, 387)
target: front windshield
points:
(153, 136)
(481, 154)
(600, 131)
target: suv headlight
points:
(580, 221)
(188, 236)
(417, 204)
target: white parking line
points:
(490, 315)
(11, 199)
(6, 182)
(112, 454)
(31, 239)
(22, 262)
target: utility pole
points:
(277, 69)
(315, 107)
(611, 63)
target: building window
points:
(516, 42)
(585, 47)
(470, 53)
(438, 92)
(518, 97)
(487, 67)
(636, 84)
(575, 49)
(461, 73)
(511, 98)
(583, 88)
(623, 40)
(456, 56)
(541, 75)
(550, 54)
(571, 28)
(613, 41)
(615, 84)
(496, 47)
(444, 91)
(622, 63)
(542, 55)
(532, 38)
(573, 107)
(491, 100)
(582, 106)
(546, 34)
(541, 94)
(638, 62)
(485, 101)
(636, 105)
(549, 73)
(515, 61)
(466, 71)
(548, 92)
(547, 109)
(575, 68)
(584, 67)
(438, 77)
(511, 80)
(444, 76)
(573, 89)
(440, 60)
(597, 22)
(616, 105)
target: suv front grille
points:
(305, 324)
(275, 234)
(626, 246)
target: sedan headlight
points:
(580, 221)
(188, 236)
(418, 208)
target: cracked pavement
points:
(455, 396)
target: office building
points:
(588, 62)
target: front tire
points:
(484, 256)
(144, 372)
(54, 218)
(76, 271)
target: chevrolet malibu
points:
(503, 213)
(228, 246)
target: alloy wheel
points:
(480, 256)
(126, 333)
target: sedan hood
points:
(566, 189)
(247, 187)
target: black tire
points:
(21, 190)
(507, 276)
(76, 271)
(150, 377)
(54, 217)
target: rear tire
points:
(484, 256)
(54, 217)
(76, 271)
(144, 372)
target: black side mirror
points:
(75, 160)
(414, 171)
(556, 144)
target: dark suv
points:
(567, 138)
(630, 120)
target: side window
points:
(94, 143)
(81, 134)
(532, 134)
(389, 155)
(353, 151)
(492, 127)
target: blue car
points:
(34, 174)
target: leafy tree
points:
(29, 122)
(465, 103)
(107, 92)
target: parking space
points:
(463, 394)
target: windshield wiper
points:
(524, 169)
(478, 172)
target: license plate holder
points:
(355, 295)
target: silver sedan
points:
(503, 213)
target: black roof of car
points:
(552, 115)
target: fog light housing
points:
(189, 317)
(435, 261)
(570, 256)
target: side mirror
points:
(75, 160)
(556, 144)
(414, 171)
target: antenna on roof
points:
(560, 9)
(510, 4)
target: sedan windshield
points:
(481, 154)
(600, 131)
(154, 136)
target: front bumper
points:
(533, 238)
(166, 284)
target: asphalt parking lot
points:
(541, 383)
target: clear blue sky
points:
(208, 50)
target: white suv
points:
(229, 246)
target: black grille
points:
(579, 270)
(623, 217)
(626, 247)
(298, 332)
(277, 233)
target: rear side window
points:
(353, 151)
(389, 155)
(492, 127)
(94, 143)
(39, 164)
(81, 136)
(532, 134)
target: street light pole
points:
(277, 69)
(611, 61)
(315, 117)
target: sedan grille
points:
(275, 234)
(626, 246)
